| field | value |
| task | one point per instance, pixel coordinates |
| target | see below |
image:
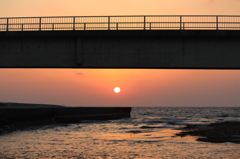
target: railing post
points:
(40, 24)
(52, 26)
(109, 23)
(180, 22)
(74, 18)
(7, 24)
(22, 27)
(144, 23)
(217, 22)
(116, 26)
(84, 26)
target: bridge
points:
(156, 41)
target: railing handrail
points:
(126, 16)
(146, 22)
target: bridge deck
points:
(199, 42)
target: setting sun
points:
(117, 89)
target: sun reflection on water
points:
(75, 141)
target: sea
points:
(148, 133)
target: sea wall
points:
(26, 114)
(25, 117)
(90, 113)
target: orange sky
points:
(94, 87)
(139, 87)
(16, 8)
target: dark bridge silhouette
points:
(205, 42)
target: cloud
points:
(79, 73)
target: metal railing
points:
(151, 22)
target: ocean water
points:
(148, 133)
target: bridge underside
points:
(167, 49)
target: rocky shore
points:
(6, 127)
(214, 132)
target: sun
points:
(117, 89)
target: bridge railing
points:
(151, 22)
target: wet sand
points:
(214, 132)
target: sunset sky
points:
(139, 87)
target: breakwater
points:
(12, 118)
